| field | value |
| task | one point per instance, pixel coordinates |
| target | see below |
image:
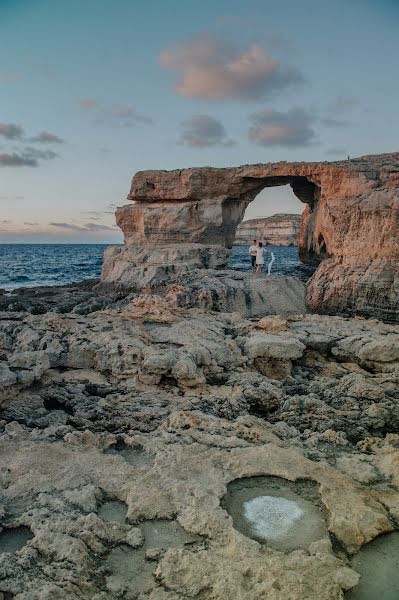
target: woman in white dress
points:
(259, 257)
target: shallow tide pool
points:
(14, 539)
(378, 565)
(280, 514)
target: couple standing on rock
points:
(256, 251)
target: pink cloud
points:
(210, 69)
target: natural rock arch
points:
(350, 225)
(233, 210)
(207, 208)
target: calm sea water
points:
(28, 265)
(286, 261)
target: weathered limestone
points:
(191, 275)
(239, 292)
(135, 267)
(278, 230)
(351, 219)
(205, 399)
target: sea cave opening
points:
(274, 218)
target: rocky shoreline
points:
(126, 417)
(180, 431)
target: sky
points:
(92, 91)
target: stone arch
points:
(186, 219)
(233, 209)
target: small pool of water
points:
(275, 512)
(113, 511)
(378, 565)
(135, 456)
(14, 539)
(130, 570)
(164, 534)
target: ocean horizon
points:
(48, 264)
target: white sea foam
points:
(272, 517)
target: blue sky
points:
(92, 91)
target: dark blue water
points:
(28, 265)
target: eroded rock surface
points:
(119, 421)
(349, 225)
(278, 230)
(190, 285)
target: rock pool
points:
(276, 512)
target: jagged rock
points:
(160, 407)
(58, 298)
(7, 377)
(272, 355)
(179, 273)
(350, 225)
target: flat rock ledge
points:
(179, 274)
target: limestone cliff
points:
(349, 225)
(278, 230)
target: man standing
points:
(253, 251)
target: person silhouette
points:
(259, 257)
(252, 252)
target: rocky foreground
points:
(157, 423)
(125, 421)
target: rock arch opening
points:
(272, 212)
(273, 217)
(235, 209)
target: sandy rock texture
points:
(349, 225)
(121, 429)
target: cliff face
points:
(350, 224)
(278, 230)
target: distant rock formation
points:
(349, 226)
(278, 230)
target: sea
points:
(29, 265)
